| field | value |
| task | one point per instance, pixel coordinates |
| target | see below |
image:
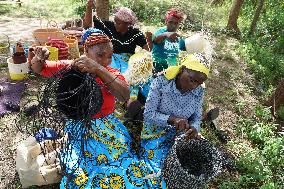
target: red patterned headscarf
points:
(96, 38)
(175, 13)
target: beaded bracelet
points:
(111, 81)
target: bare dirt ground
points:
(16, 29)
(229, 84)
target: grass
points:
(5, 8)
(51, 9)
(200, 14)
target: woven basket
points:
(5, 46)
(42, 35)
(191, 164)
(73, 50)
(61, 46)
(74, 33)
(140, 67)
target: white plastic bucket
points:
(17, 71)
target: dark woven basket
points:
(78, 95)
(191, 164)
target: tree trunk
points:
(277, 99)
(102, 9)
(216, 2)
(256, 17)
(19, 3)
(234, 14)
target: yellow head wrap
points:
(195, 62)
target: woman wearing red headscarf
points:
(96, 155)
(166, 42)
(98, 51)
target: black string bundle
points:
(78, 95)
(69, 94)
(68, 97)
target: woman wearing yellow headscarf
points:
(196, 62)
(174, 105)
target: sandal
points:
(212, 114)
(222, 136)
(11, 106)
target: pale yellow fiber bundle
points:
(140, 67)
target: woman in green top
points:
(166, 42)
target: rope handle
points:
(74, 23)
(68, 36)
(8, 42)
(49, 23)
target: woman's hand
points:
(85, 64)
(41, 53)
(191, 133)
(172, 36)
(117, 87)
(180, 124)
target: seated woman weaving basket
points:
(98, 48)
(174, 105)
(123, 35)
(107, 136)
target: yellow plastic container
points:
(53, 56)
(17, 71)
